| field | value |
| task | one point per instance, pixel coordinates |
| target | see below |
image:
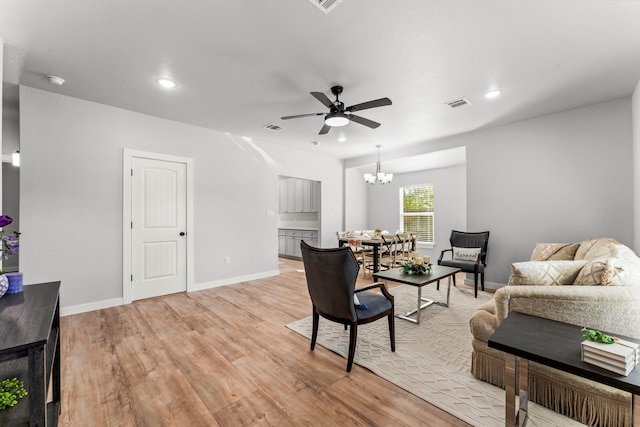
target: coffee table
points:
(529, 338)
(438, 272)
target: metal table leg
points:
(427, 302)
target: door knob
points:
(182, 233)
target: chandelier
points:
(382, 177)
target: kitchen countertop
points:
(298, 228)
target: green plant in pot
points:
(11, 390)
(415, 266)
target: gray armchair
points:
(331, 280)
(475, 264)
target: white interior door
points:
(158, 227)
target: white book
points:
(604, 359)
(620, 349)
(619, 357)
(607, 366)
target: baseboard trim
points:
(92, 306)
(487, 285)
(233, 280)
(99, 305)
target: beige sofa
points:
(595, 283)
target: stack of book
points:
(620, 357)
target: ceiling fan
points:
(338, 115)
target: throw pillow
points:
(466, 254)
(554, 251)
(597, 248)
(595, 272)
(545, 273)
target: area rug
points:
(432, 360)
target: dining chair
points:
(359, 251)
(331, 280)
(386, 253)
(404, 247)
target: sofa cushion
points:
(604, 247)
(545, 273)
(593, 271)
(623, 270)
(554, 251)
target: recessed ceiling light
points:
(164, 82)
(492, 94)
(342, 139)
(55, 80)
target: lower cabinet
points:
(289, 241)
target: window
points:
(416, 214)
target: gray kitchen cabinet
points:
(298, 195)
(289, 241)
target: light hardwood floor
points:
(223, 357)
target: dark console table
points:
(30, 351)
(554, 344)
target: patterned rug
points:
(432, 360)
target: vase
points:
(4, 284)
(15, 283)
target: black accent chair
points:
(331, 280)
(463, 239)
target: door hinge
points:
(131, 172)
(132, 277)
(132, 225)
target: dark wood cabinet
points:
(30, 351)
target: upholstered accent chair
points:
(331, 280)
(469, 253)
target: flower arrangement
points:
(415, 266)
(8, 239)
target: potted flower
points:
(9, 243)
(415, 266)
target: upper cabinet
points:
(299, 195)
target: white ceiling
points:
(240, 65)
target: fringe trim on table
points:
(598, 411)
(589, 410)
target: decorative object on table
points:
(15, 282)
(9, 239)
(597, 336)
(11, 390)
(4, 284)
(9, 243)
(608, 352)
(377, 233)
(415, 266)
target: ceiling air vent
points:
(273, 127)
(325, 5)
(457, 103)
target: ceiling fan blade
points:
(371, 104)
(363, 121)
(323, 98)
(324, 130)
(301, 115)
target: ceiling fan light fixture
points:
(336, 119)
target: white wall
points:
(449, 200)
(558, 178)
(356, 205)
(71, 194)
(636, 164)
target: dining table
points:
(373, 242)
